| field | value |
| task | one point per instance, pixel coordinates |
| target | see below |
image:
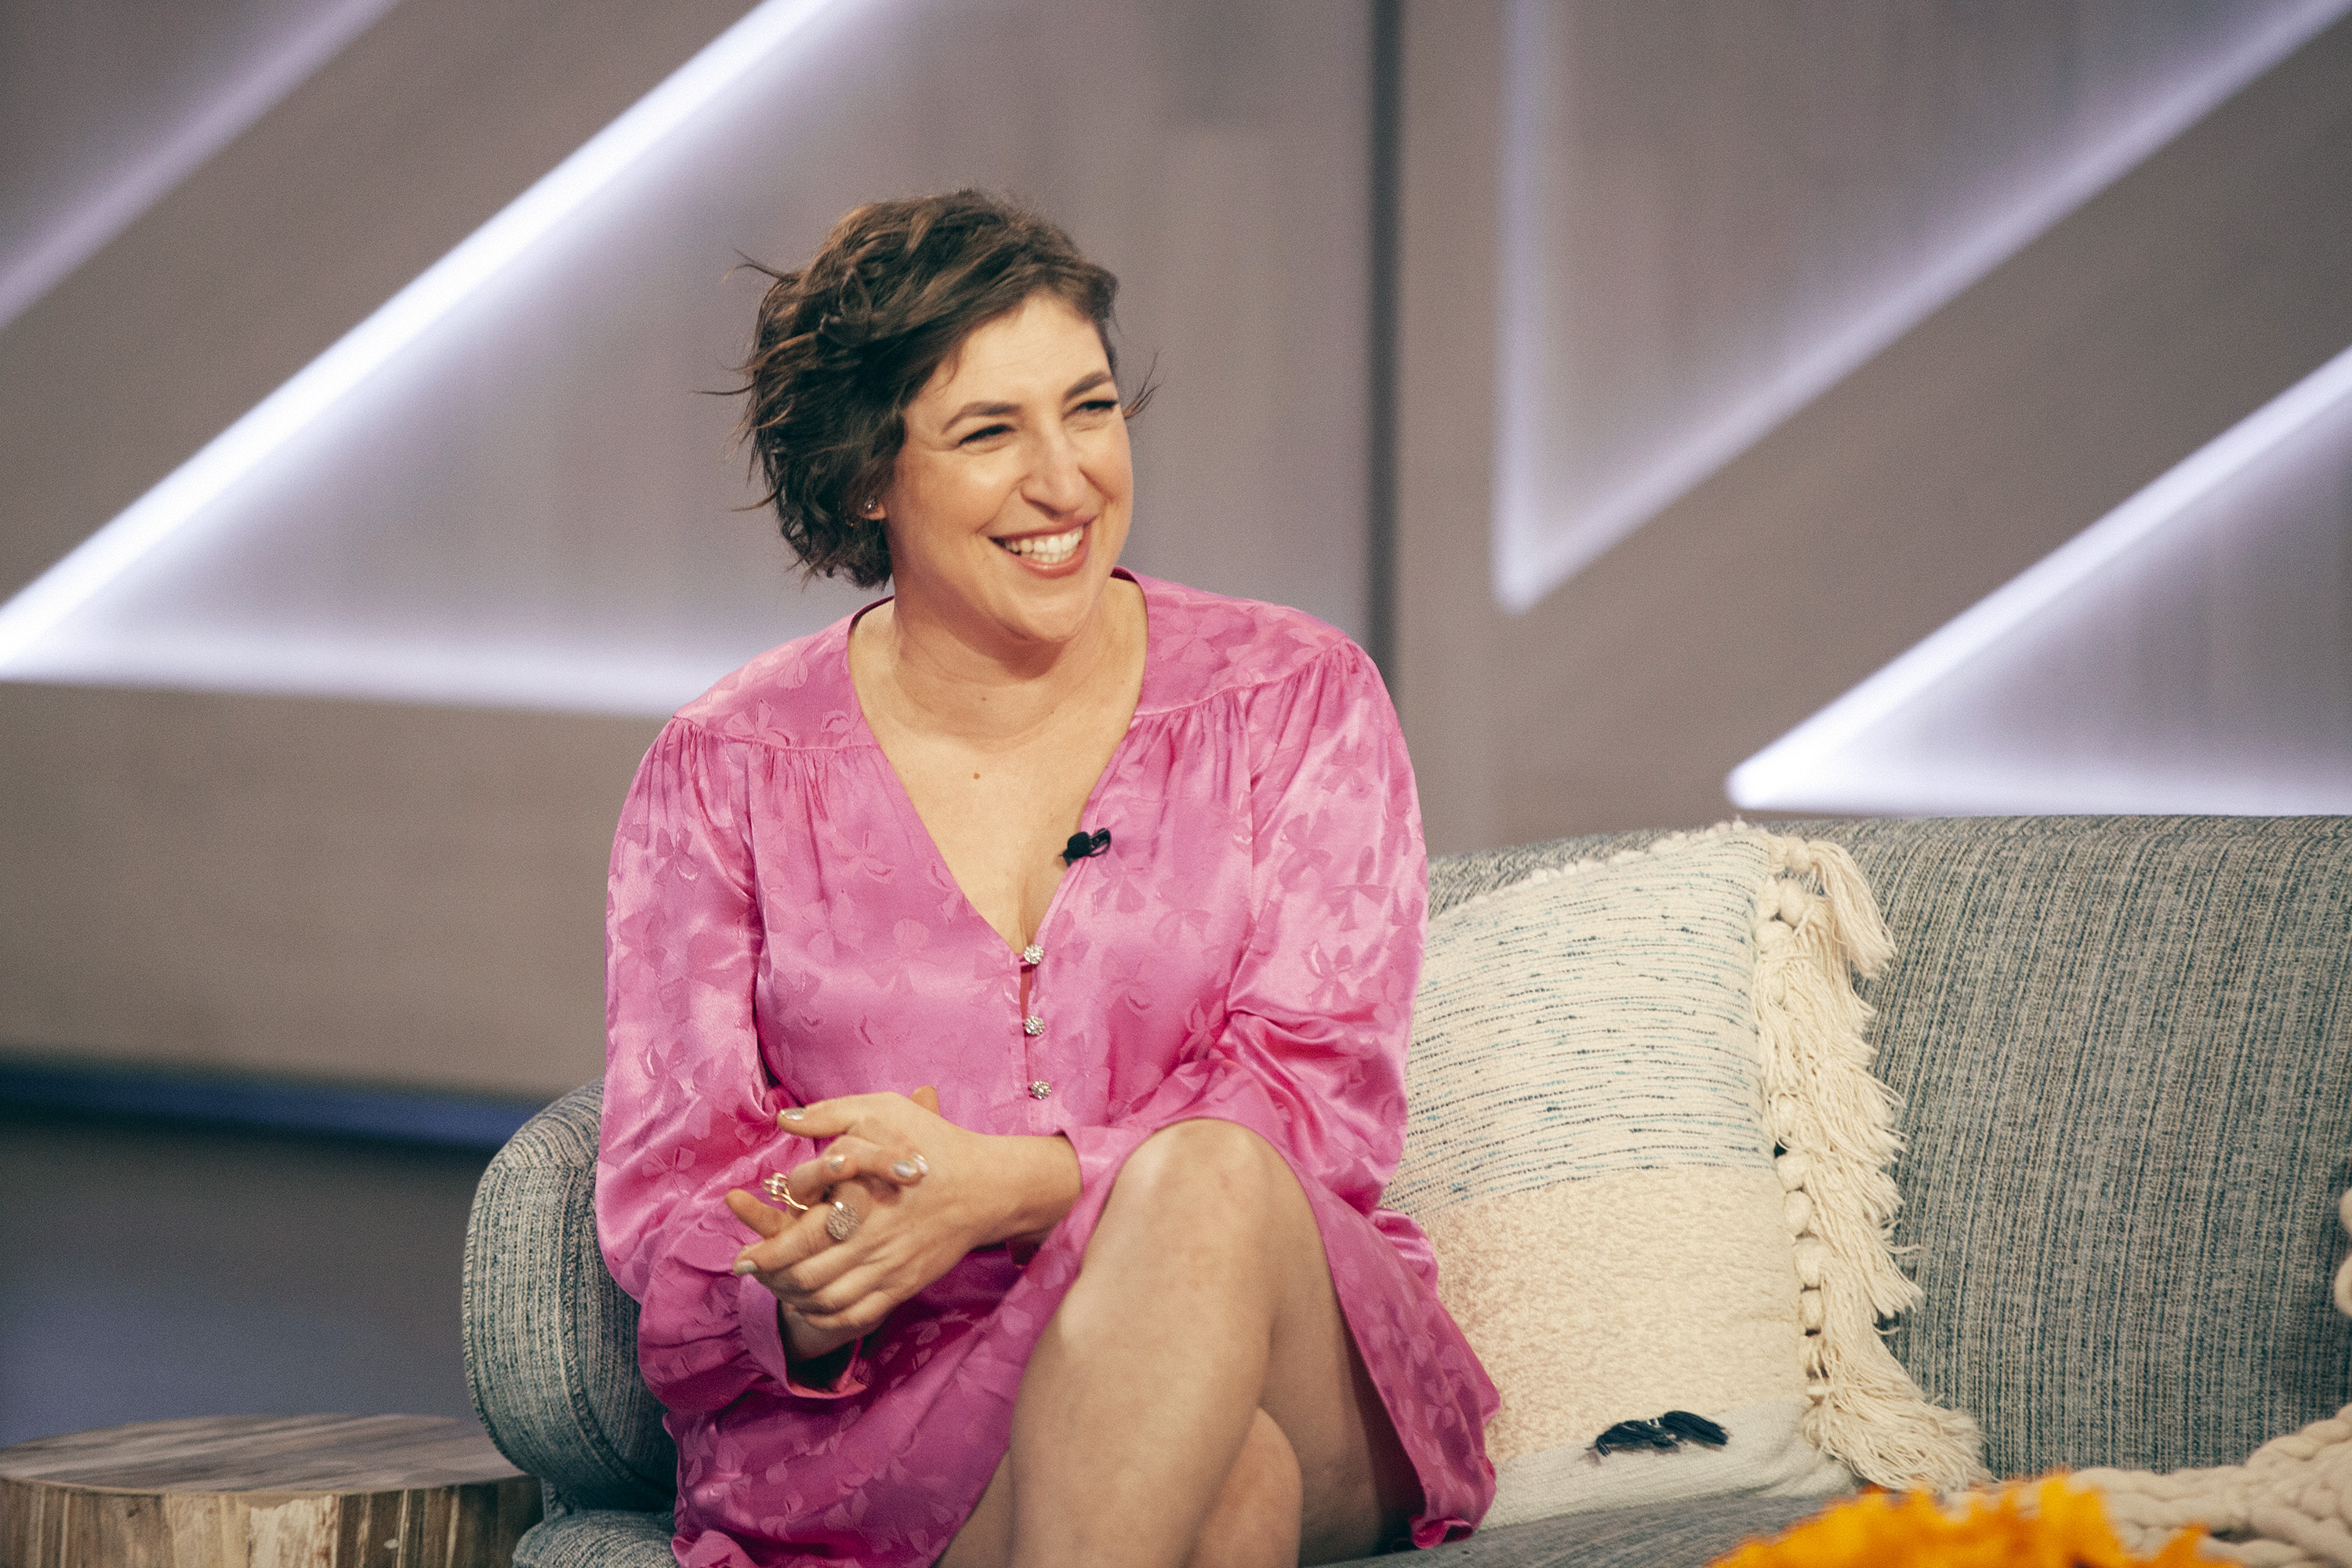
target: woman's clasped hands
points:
(896, 1198)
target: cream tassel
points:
(1817, 925)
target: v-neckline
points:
(903, 800)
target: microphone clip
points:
(1083, 844)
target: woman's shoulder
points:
(1205, 646)
(797, 695)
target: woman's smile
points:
(1046, 551)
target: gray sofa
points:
(2124, 1046)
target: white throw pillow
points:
(1647, 1147)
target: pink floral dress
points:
(782, 930)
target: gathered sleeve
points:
(690, 1107)
(1310, 1051)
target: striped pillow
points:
(1648, 1150)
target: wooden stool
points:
(265, 1491)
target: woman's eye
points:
(985, 433)
(1097, 405)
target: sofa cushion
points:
(1664, 1535)
(1683, 1535)
(2125, 1050)
(1604, 1059)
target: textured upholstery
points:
(2124, 1046)
(1663, 1537)
(550, 1341)
(597, 1537)
(1668, 1535)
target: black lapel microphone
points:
(1083, 845)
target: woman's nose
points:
(1057, 480)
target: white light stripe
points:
(1787, 772)
(132, 189)
(567, 675)
(1534, 553)
(237, 450)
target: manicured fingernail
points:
(836, 1162)
(922, 1165)
(744, 1266)
(904, 1170)
(790, 1114)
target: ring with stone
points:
(841, 1220)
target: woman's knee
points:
(1215, 1164)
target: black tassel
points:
(1694, 1429)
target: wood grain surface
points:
(265, 1491)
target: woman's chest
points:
(878, 974)
(999, 822)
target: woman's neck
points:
(926, 672)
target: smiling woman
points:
(1111, 1284)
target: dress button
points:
(1032, 954)
(1040, 1089)
(1033, 1024)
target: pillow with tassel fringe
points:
(1647, 1147)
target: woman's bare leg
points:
(1201, 1346)
(1254, 1523)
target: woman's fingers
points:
(800, 1246)
(767, 1222)
(832, 1118)
(850, 1157)
(774, 1260)
(801, 1237)
(860, 1296)
(864, 1317)
(825, 1119)
(868, 1114)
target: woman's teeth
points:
(1046, 548)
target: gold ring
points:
(778, 1185)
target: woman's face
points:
(1010, 501)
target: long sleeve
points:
(689, 1109)
(1310, 1052)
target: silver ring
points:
(841, 1220)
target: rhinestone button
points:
(1032, 954)
(1033, 1026)
(1040, 1089)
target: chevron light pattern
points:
(2071, 687)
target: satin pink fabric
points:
(782, 930)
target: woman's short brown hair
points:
(843, 345)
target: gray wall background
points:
(2202, 283)
(411, 891)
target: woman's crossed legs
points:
(1197, 1399)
